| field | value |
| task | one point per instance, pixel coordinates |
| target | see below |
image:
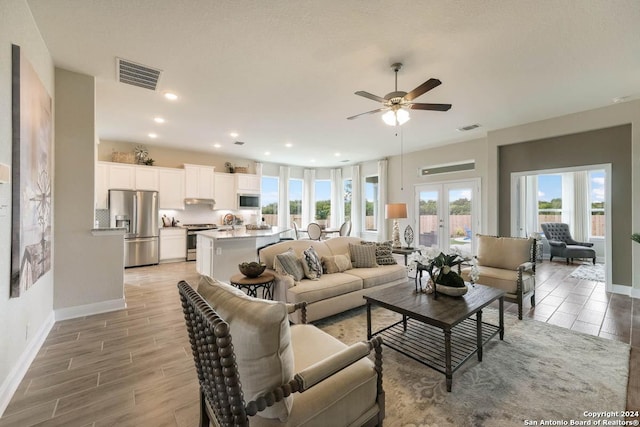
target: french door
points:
(448, 215)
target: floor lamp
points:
(395, 211)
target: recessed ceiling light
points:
(337, 154)
(171, 96)
(216, 145)
(267, 153)
(312, 160)
(153, 135)
(158, 120)
(233, 134)
(288, 145)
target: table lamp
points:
(395, 211)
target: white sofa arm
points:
(525, 266)
(281, 284)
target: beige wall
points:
(23, 319)
(88, 269)
(173, 157)
(595, 147)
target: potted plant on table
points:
(444, 277)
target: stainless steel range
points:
(192, 240)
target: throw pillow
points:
(261, 340)
(311, 264)
(336, 263)
(363, 256)
(384, 254)
(290, 265)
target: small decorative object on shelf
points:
(252, 269)
(440, 266)
(229, 167)
(635, 237)
(408, 236)
(142, 154)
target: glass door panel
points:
(459, 221)
(429, 221)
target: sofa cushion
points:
(289, 263)
(362, 256)
(379, 275)
(311, 264)
(340, 400)
(340, 245)
(384, 254)
(261, 339)
(503, 252)
(329, 285)
(501, 279)
(336, 263)
(268, 254)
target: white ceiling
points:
(282, 72)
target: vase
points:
(452, 291)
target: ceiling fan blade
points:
(368, 112)
(435, 107)
(423, 88)
(370, 96)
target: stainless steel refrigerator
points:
(137, 212)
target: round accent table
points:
(251, 285)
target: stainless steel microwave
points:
(248, 201)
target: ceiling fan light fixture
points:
(396, 117)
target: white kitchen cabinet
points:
(146, 178)
(122, 177)
(204, 255)
(171, 188)
(225, 190)
(247, 183)
(102, 186)
(173, 244)
(199, 181)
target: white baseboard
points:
(625, 290)
(89, 309)
(11, 383)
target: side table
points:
(251, 285)
(404, 251)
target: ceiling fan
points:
(397, 103)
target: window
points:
(323, 200)
(269, 199)
(347, 191)
(295, 201)
(596, 203)
(549, 199)
(371, 203)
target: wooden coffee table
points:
(438, 333)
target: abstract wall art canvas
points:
(31, 176)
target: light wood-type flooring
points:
(134, 368)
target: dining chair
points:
(314, 231)
(345, 228)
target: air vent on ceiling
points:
(447, 168)
(468, 127)
(239, 143)
(137, 74)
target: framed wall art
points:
(31, 176)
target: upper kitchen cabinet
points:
(199, 182)
(171, 188)
(247, 183)
(122, 176)
(146, 178)
(102, 186)
(225, 191)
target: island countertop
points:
(242, 233)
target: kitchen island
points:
(218, 252)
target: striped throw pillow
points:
(290, 265)
(363, 256)
(384, 254)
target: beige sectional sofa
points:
(331, 293)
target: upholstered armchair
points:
(271, 373)
(562, 244)
(507, 263)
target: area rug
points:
(589, 272)
(539, 372)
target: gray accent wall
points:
(610, 145)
